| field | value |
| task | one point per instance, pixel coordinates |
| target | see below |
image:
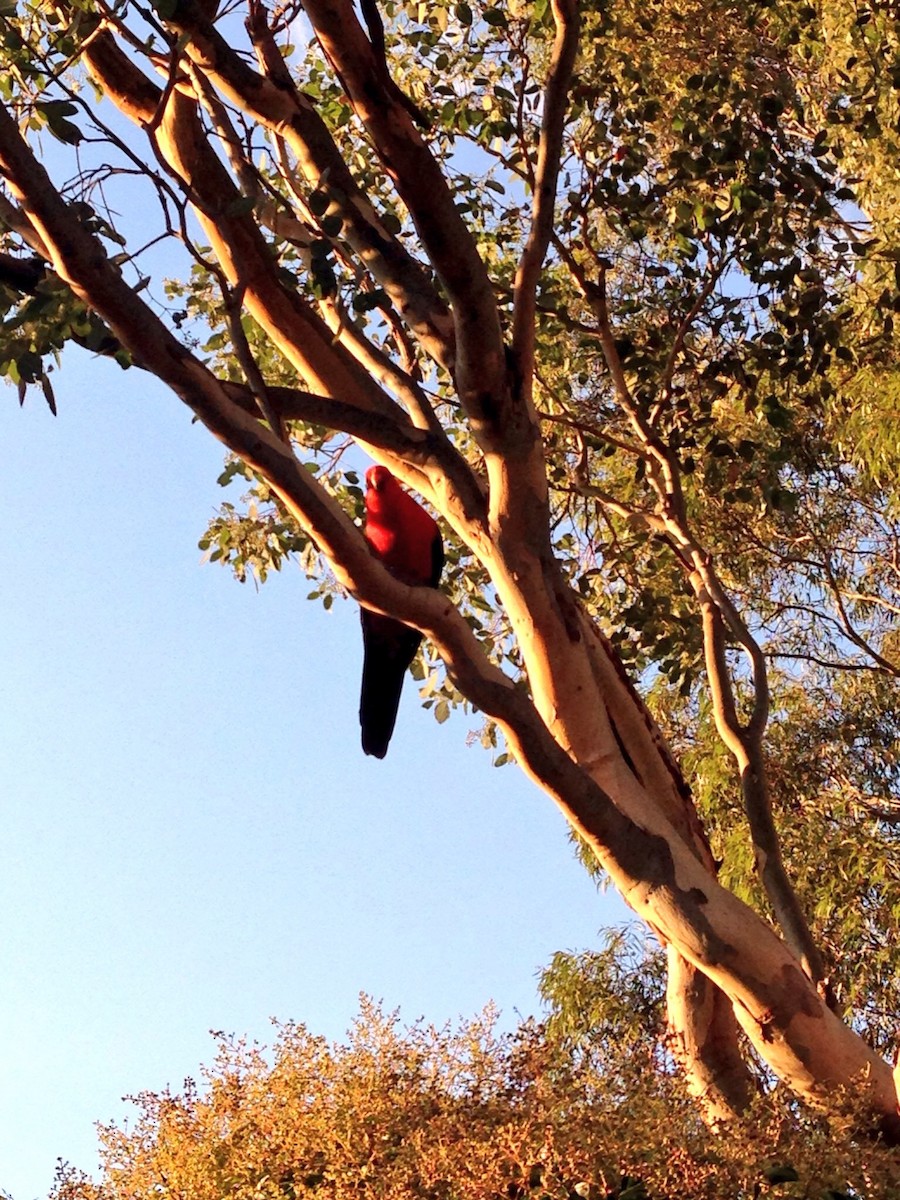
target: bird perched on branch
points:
(408, 541)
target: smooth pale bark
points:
(702, 1038)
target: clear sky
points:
(192, 838)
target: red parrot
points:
(408, 542)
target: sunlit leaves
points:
(424, 1113)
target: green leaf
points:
(47, 388)
(56, 114)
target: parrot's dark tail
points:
(390, 647)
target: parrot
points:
(408, 541)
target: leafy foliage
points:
(437, 1114)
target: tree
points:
(432, 1114)
(589, 283)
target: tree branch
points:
(714, 273)
(480, 369)
(847, 625)
(562, 63)
(276, 104)
(287, 111)
(240, 249)
(257, 385)
(718, 612)
(744, 741)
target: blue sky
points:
(193, 839)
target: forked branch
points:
(720, 619)
(480, 368)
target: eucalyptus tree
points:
(594, 284)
